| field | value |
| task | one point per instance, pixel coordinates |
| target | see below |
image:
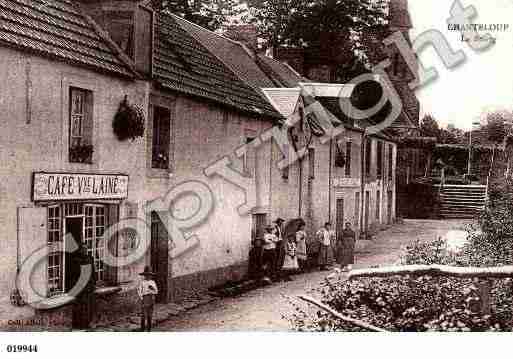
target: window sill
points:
(106, 291)
(159, 173)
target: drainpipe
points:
(362, 184)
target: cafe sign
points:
(78, 186)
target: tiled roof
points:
(231, 53)
(280, 72)
(184, 64)
(57, 29)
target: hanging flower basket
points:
(81, 154)
(128, 122)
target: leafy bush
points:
(404, 304)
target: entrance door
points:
(159, 256)
(339, 218)
(389, 207)
(367, 210)
(74, 226)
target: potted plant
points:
(81, 154)
(128, 122)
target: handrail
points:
(434, 270)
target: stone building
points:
(207, 103)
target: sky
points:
(484, 82)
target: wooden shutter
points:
(32, 237)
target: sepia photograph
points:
(294, 167)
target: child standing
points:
(147, 291)
(301, 247)
(290, 264)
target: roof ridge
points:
(202, 28)
(110, 43)
(258, 90)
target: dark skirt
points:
(323, 258)
(345, 251)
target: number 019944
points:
(21, 348)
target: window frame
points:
(85, 133)
(311, 163)
(379, 159)
(347, 169)
(58, 246)
(156, 137)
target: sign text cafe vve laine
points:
(75, 186)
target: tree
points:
(305, 23)
(429, 127)
(495, 127)
(210, 14)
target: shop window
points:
(95, 223)
(81, 126)
(55, 256)
(161, 138)
(87, 224)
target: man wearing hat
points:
(147, 291)
(280, 246)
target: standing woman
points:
(301, 247)
(348, 243)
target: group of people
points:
(282, 252)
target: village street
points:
(263, 309)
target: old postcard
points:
(255, 166)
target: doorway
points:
(389, 207)
(367, 210)
(159, 256)
(339, 218)
(74, 227)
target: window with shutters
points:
(348, 159)
(161, 141)
(80, 126)
(390, 162)
(357, 209)
(368, 157)
(378, 205)
(311, 161)
(379, 158)
(285, 170)
(249, 158)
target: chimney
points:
(129, 24)
(246, 34)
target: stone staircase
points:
(461, 202)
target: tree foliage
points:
(305, 23)
(210, 14)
